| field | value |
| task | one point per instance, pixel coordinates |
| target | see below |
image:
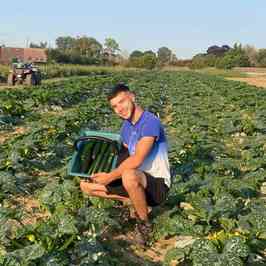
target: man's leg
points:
(98, 190)
(135, 182)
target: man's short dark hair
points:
(120, 87)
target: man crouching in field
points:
(143, 178)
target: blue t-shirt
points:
(156, 162)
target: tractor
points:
(24, 73)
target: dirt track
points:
(255, 81)
(255, 76)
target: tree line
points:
(227, 57)
(86, 50)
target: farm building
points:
(36, 55)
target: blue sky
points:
(186, 27)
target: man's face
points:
(123, 104)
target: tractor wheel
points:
(18, 82)
(10, 80)
(29, 80)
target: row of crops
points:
(217, 136)
(60, 70)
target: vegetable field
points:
(217, 138)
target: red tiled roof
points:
(24, 54)
(35, 54)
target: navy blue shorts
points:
(155, 192)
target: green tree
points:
(210, 60)
(65, 43)
(88, 46)
(56, 55)
(149, 52)
(173, 59)
(136, 62)
(149, 59)
(136, 59)
(110, 55)
(111, 46)
(42, 45)
(198, 61)
(164, 55)
(251, 53)
(235, 57)
(261, 57)
(136, 53)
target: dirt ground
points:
(255, 76)
(31, 206)
(255, 81)
(132, 255)
(7, 135)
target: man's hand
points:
(101, 178)
(84, 186)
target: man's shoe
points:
(142, 232)
(128, 213)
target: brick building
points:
(36, 55)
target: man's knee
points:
(131, 179)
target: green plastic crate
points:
(95, 151)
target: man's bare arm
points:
(143, 148)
